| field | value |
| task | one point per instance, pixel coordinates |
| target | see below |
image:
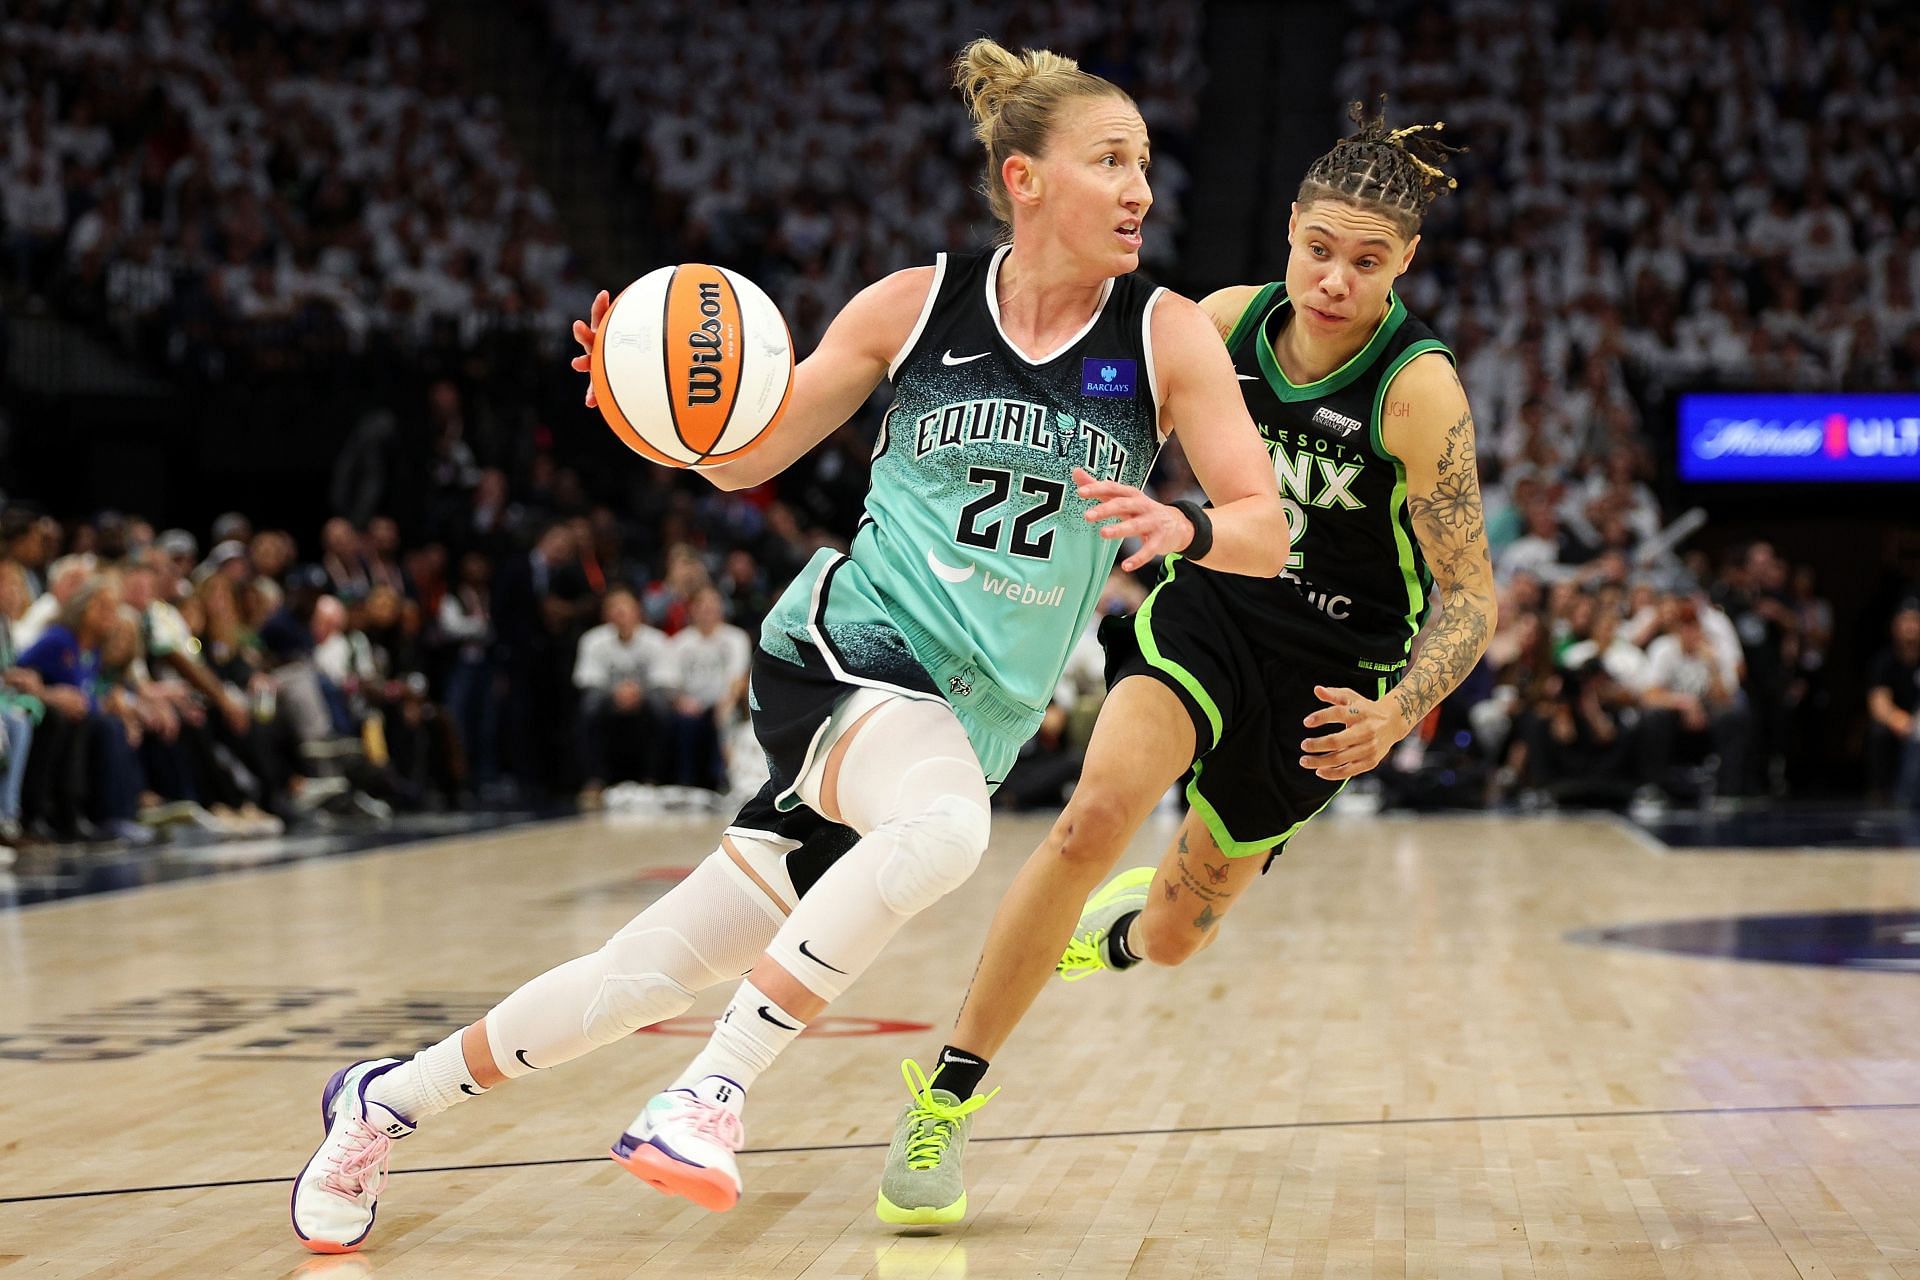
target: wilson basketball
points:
(692, 365)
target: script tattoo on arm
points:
(1451, 526)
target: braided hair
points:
(1394, 172)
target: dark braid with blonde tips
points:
(1395, 172)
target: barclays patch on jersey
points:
(1108, 378)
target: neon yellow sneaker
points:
(922, 1184)
(1090, 951)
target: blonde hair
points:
(1015, 100)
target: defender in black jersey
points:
(1245, 656)
(1290, 685)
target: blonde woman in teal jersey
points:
(892, 686)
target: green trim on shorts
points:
(1143, 635)
(1231, 848)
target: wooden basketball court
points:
(1396, 1062)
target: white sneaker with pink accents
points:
(335, 1196)
(683, 1142)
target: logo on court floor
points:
(133, 1028)
(1846, 939)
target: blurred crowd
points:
(1656, 196)
(236, 684)
(879, 163)
(279, 182)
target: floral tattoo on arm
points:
(1451, 526)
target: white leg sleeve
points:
(911, 785)
(708, 929)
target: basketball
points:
(692, 365)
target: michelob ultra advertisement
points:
(1786, 437)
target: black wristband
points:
(1202, 529)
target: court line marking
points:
(1275, 1127)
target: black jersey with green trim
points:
(1355, 564)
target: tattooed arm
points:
(1433, 439)
(1427, 425)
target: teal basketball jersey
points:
(973, 546)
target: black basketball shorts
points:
(1248, 686)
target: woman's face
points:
(13, 591)
(1088, 194)
(100, 614)
(1342, 265)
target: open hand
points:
(1159, 527)
(583, 331)
(1367, 731)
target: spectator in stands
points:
(20, 706)
(619, 671)
(1691, 702)
(341, 556)
(93, 740)
(66, 578)
(1893, 708)
(706, 668)
(539, 596)
(466, 627)
(668, 601)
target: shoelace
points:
(362, 1166)
(933, 1120)
(1082, 959)
(711, 1120)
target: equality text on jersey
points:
(1020, 422)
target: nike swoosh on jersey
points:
(947, 572)
(950, 358)
(1247, 377)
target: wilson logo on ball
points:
(692, 365)
(703, 315)
(703, 379)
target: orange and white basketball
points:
(692, 365)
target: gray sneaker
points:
(922, 1184)
(1092, 947)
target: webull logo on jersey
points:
(1021, 422)
(1007, 588)
(1108, 377)
(1337, 422)
(1021, 592)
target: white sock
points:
(746, 1040)
(427, 1083)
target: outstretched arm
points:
(1432, 435)
(829, 386)
(1201, 401)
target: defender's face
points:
(1342, 265)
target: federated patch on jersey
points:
(1108, 377)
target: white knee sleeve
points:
(708, 929)
(911, 785)
(932, 854)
